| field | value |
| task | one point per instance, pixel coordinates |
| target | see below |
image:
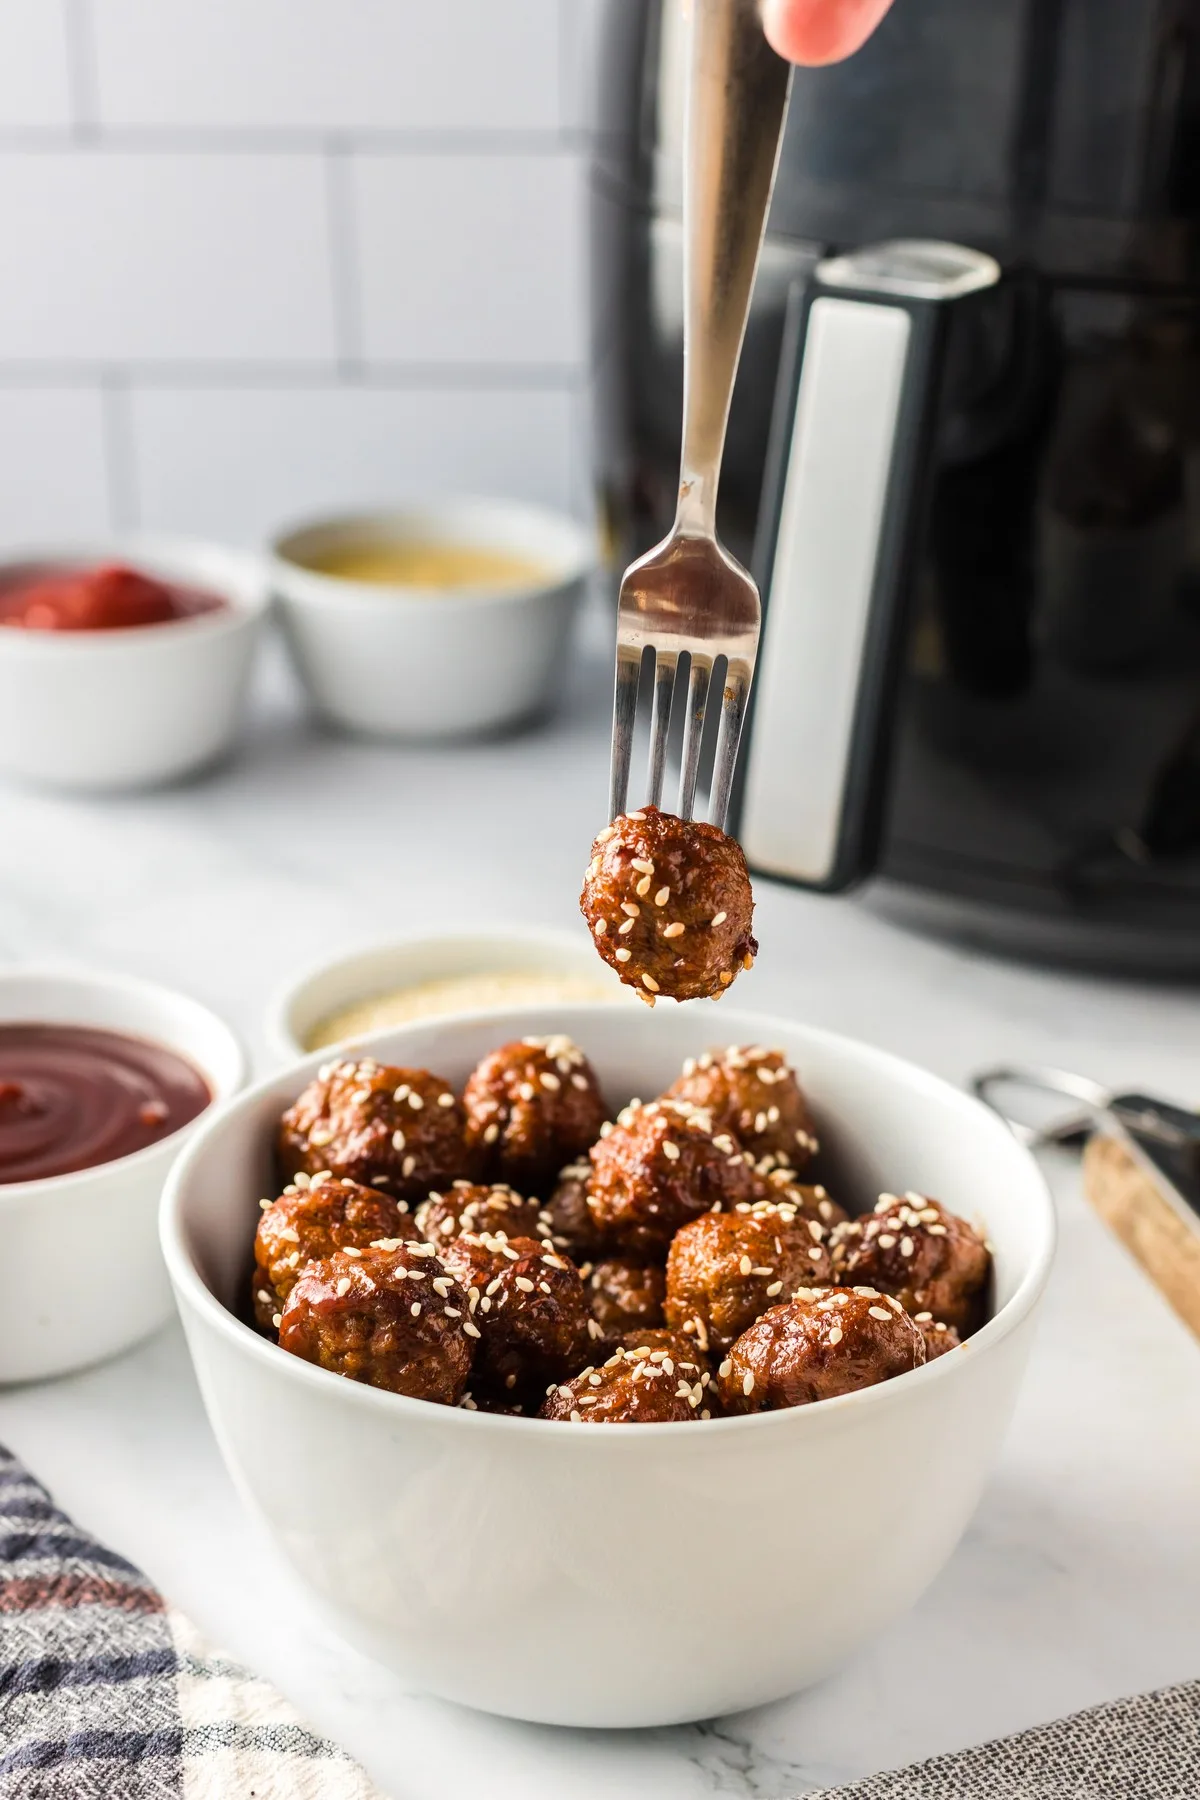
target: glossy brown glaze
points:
(939, 1337)
(625, 1295)
(72, 1097)
(753, 1093)
(479, 1207)
(400, 1130)
(531, 1312)
(390, 1318)
(659, 1166)
(531, 1107)
(571, 1222)
(931, 1259)
(725, 1269)
(307, 1223)
(669, 905)
(821, 1343)
(633, 1388)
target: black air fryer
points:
(963, 457)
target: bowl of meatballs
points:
(794, 1280)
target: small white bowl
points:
(620, 1575)
(81, 1274)
(432, 663)
(133, 707)
(380, 969)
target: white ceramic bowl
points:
(130, 708)
(626, 1574)
(415, 663)
(81, 1274)
(403, 962)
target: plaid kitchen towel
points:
(1146, 1748)
(106, 1693)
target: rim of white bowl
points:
(239, 577)
(13, 1191)
(746, 1027)
(278, 1017)
(297, 582)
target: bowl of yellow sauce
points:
(437, 621)
(346, 999)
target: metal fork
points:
(689, 594)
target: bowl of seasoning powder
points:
(101, 1080)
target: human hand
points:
(820, 31)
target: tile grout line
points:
(83, 75)
(120, 459)
(342, 231)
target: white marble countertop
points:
(1079, 1579)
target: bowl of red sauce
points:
(124, 665)
(101, 1081)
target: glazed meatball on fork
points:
(688, 595)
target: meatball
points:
(810, 1202)
(725, 1269)
(531, 1312)
(669, 905)
(308, 1222)
(753, 1093)
(823, 1342)
(939, 1337)
(468, 1206)
(679, 1347)
(392, 1318)
(396, 1129)
(932, 1260)
(659, 1166)
(633, 1387)
(571, 1223)
(625, 1295)
(532, 1106)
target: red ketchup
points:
(72, 1097)
(111, 598)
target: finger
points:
(820, 31)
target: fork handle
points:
(736, 100)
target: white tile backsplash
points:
(470, 258)
(181, 257)
(35, 85)
(330, 65)
(53, 477)
(282, 253)
(239, 463)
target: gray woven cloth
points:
(1146, 1748)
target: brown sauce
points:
(72, 1097)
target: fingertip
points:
(816, 32)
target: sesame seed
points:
(719, 918)
(471, 1330)
(416, 1102)
(491, 1133)
(277, 1320)
(609, 831)
(745, 1266)
(350, 1250)
(747, 1383)
(445, 1099)
(623, 955)
(835, 1336)
(398, 1140)
(524, 1283)
(649, 981)
(600, 927)
(886, 1240)
(643, 887)
(625, 927)
(673, 931)
(776, 1287)
(407, 1166)
(670, 1150)
(906, 1246)
(550, 1082)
